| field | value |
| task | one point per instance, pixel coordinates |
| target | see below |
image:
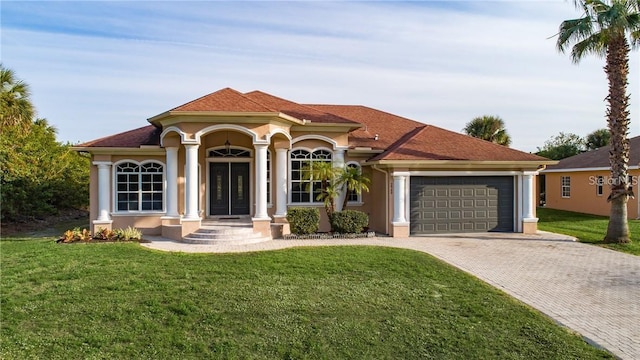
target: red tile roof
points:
(226, 99)
(401, 138)
(147, 135)
(598, 158)
(298, 111)
(434, 143)
(389, 128)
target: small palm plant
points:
(353, 181)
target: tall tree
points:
(16, 108)
(490, 128)
(597, 139)
(606, 29)
(562, 146)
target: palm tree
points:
(15, 106)
(606, 30)
(597, 139)
(490, 128)
(321, 176)
(353, 181)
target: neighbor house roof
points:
(596, 159)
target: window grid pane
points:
(139, 187)
(305, 191)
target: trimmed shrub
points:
(303, 220)
(349, 221)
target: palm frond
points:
(572, 31)
(594, 44)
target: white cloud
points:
(101, 68)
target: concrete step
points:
(216, 232)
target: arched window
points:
(305, 191)
(139, 187)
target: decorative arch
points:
(318, 137)
(241, 129)
(170, 129)
(279, 131)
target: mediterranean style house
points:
(231, 154)
(581, 182)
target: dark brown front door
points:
(229, 189)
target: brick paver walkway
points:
(591, 290)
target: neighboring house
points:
(581, 182)
(240, 154)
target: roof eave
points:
(142, 150)
(461, 163)
(265, 114)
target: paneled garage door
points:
(461, 204)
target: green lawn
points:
(587, 228)
(123, 301)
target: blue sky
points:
(98, 68)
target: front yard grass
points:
(586, 228)
(114, 300)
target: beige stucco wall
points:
(583, 193)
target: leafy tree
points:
(15, 106)
(597, 139)
(490, 128)
(562, 146)
(606, 29)
(38, 175)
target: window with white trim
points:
(269, 177)
(305, 191)
(354, 197)
(566, 186)
(139, 187)
(600, 186)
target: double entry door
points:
(229, 188)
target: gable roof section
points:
(389, 128)
(433, 143)
(598, 158)
(147, 135)
(298, 111)
(227, 100)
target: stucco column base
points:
(262, 226)
(279, 230)
(280, 219)
(530, 226)
(189, 226)
(399, 230)
(171, 228)
(98, 224)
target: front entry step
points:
(225, 231)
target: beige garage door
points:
(461, 204)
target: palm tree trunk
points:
(617, 70)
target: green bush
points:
(349, 221)
(303, 221)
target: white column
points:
(191, 182)
(338, 162)
(261, 181)
(104, 189)
(527, 195)
(399, 198)
(172, 181)
(282, 174)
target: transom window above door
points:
(230, 153)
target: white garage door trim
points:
(517, 189)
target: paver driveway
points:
(591, 290)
